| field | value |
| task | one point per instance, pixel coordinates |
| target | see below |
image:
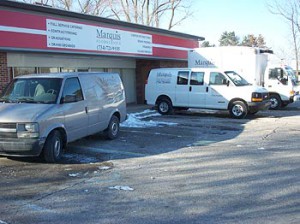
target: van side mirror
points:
(284, 81)
(225, 82)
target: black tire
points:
(276, 102)
(53, 148)
(238, 110)
(112, 131)
(164, 106)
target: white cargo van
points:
(40, 114)
(183, 88)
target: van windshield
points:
(237, 79)
(32, 90)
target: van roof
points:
(60, 75)
(191, 69)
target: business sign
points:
(44, 33)
(70, 35)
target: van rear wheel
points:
(113, 128)
(238, 110)
(164, 106)
(53, 147)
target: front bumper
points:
(256, 106)
(296, 98)
(20, 147)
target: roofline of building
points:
(50, 10)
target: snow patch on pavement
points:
(124, 188)
(134, 120)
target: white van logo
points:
(163, 78)
(204, 63)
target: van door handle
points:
(206, 88)
(86, 110)
(190, 88)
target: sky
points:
(213, 17)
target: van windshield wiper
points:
(5, 100)
(26, 100)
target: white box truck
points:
(259, 67)
(206, 88)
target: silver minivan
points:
(40, 114)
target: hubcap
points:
(114, 129)
(274, 102)
(164, 107)
(237, 110)
(57, 147)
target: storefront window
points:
(97, 69)
(68, 69)
(82, 69)
(48, 70)
(24, 71)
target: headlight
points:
(257, 97)
(292, 93)
(28, 130)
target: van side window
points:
(217, 78)
(182, 78)
(197, 78)
(72, 90)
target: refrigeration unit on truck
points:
(206, 88)
(258, 66)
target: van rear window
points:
(182, 78)
(197, 78)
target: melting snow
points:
(124, 188)
(134, 120)
(74, 174)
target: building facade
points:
(40, 39)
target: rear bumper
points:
(20, 147)
(256, 106)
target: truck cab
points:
(281, 84)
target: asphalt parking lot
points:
(190, 167)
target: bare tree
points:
(64, 4)
(289, 10)
(94, 7)
(157, 13)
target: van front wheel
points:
(238, 110)
(53, 147)
(164, 106)
(113, 128)
(275, 102)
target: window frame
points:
(73, 97)
(180, 76)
